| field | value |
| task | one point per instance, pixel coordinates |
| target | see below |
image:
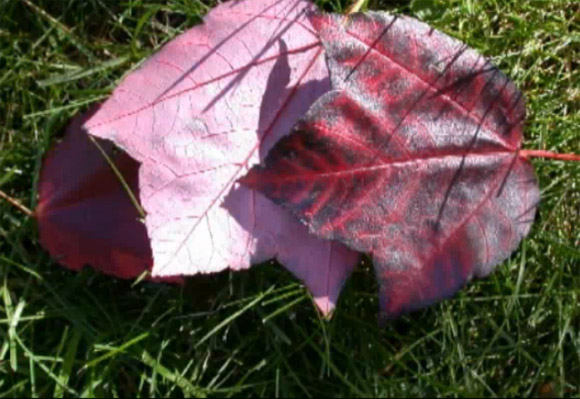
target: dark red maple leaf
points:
(414, 157)
(84, 213)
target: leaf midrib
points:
(312, 175)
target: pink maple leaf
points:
(201, 112)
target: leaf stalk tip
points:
(549, 155)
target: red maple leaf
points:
(414, 157)
(84, 214)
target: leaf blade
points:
(413, 158)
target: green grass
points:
(256, 333)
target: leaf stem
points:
(17, 204)
(549, 155)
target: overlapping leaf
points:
(413, 158)
(84, 213)
(202, 111)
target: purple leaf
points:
(414, 157)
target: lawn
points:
(257, 333)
